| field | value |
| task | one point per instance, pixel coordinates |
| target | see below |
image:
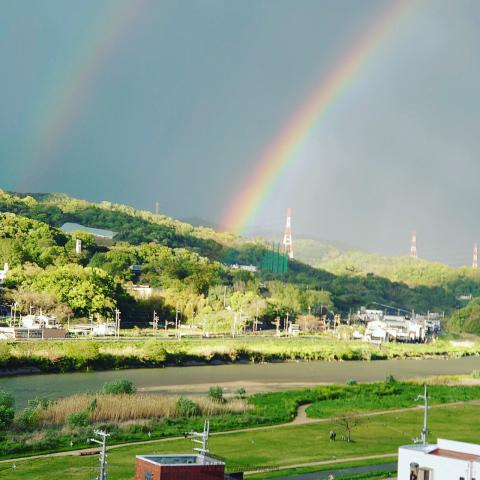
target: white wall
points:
(443, 468)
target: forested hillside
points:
(190, 268)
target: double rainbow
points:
(281, 152)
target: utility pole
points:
(157, 208)
(176, 321)
(155, 323)
(277, 326)
(234, 326)
(225, 297)
(475, 257)
(103, 452)
(424, 397)
(90, 317)
(117, 322)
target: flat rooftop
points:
(442, 452)
(96, 232)
(172, 460)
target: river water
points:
(253, 377)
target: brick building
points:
(179, 467)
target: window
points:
(421, 474)
(147, 476)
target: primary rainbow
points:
(77, 83)
(281, 151)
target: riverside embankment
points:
(254, 377)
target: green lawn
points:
(273, 447)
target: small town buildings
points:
(447, 460)
(34, 327)
(97, 329)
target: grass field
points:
(274, 447)
(66, 423)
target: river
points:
(253, 377)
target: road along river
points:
(253, 377)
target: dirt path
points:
(300, 419)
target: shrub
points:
(78, 419)
(154, 352)
(7, 409)
(186, 408)
(241, 393)
(119, 387)
(29, 418)
(216, 394)
(390, 379)
(351, 381)
(476, 374)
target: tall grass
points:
(124, 408)
(80, 355)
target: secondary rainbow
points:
(281, 151)
(77, 84)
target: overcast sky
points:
(174, 101)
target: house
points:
(446, 460)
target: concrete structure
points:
(3, 273)
(179, 467)
(447, 460)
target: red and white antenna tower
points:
(413, 248)
(287, 237)
(475, 256)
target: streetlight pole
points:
(424, 397)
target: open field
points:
(66, 423)
(274, 447)
(91, 354)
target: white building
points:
(3, 273)
(246, 268)
(397, 328)
(447, 460)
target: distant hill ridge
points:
(398, 281)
